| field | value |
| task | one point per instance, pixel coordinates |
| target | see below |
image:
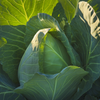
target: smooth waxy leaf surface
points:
(52, 55)
(85, 28)
(70, 7)
(95, 90)
(29, 64)
(42, 21)
(60, 87)
(7, 87)
(89, 97)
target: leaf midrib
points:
(55, 87)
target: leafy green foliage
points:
(7, 87)
(87, 43)
(59, 15)
(18, 12)
(55, 87)
(70, 7)
(50, 52)
(42, 21)
(38, 22)
(90, 41)
(30, 58)
(89, 97)
(96, 6)
(95, 90)
(12, 51)
(39, 53)
(45, 21)
(14, 15)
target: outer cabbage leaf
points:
(12, 51)
(86, 29)
(89, 97)
(18, 12)
(70, 7)
(29, 64)
(7, 88)
(14, 14)
(61, 86)
(95, 90)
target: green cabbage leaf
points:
(87, 44)
(32, 76)
(7, 88)
(14, 14)
(49, 50)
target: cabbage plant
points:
(49, 50)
